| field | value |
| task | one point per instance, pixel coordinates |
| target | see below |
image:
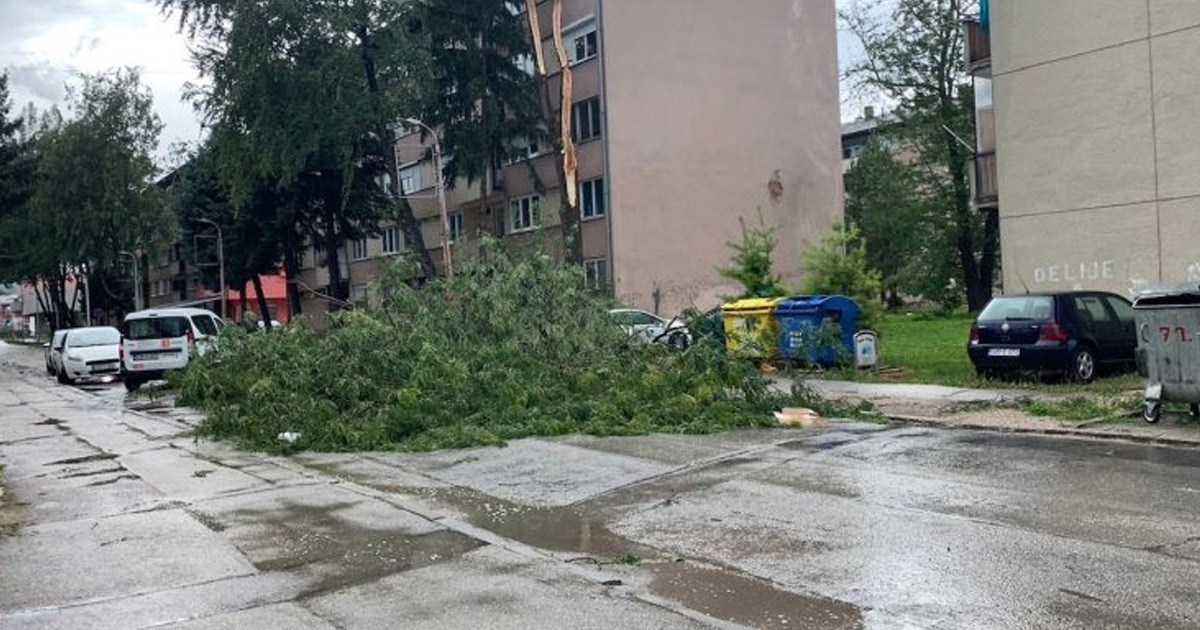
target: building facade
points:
(1088, 115)
(689, 114)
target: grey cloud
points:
(43, 80)
(21, 19)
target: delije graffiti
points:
(1094, 270)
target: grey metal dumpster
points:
(1168, 354)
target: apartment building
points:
(689, 114)
(1089, 141)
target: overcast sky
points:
(45, 43)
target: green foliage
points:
(838, 265)
(1085, 408)
(751, 262)
(510, 347)
(884, 203)
(913, 57)
(93, 194)
(480, 98)
(304, 97)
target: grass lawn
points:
(933, 349)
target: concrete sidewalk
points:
(938, 405)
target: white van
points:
(156, 340)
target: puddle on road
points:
(744, 600)
(340, 552)
(720, 593)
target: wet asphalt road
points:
(854, 525)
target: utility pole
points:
(441, 189)
(220, 262)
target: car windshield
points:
(156, 328)
(86, 338)
(1021, 307)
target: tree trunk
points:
(559, 131)
(978, 289)
(263, 308)
(404, 213)
(291, 268)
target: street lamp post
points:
(137, 280)
(220, 261)
(441, 190)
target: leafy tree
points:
(838, 265)
(481, 99)
(306, 95)
(93, 197)
(914, 58)
(751, 262)
(16, 159)
(884, 203)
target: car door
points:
(1101, 326)
(1122, 311)
(647, 326)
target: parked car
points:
(53, 351)
(156, 340)
(1076, 333)
(88, 353)
(652, 328)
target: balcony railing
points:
(978, 46)
(984, 183)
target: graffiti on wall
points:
(1095, 270)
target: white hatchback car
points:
(91, 352)
(157, 340)
(652, 328)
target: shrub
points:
(510, 347)
(838, 265)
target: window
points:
(410, 180)
(360, 295)
(358, 249)
(525, 63)
(1122, 309)
(523, 149)
(515, 7)
(1091, 309)
(456, 226)
(587, 45)
(156, 328)
(585, 120)
(524, 214)
(205, 324)
(595, 271)
(393, 240)
(591, 199)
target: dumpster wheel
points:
(1152, 411)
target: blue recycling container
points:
(801, 317)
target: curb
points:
(1055, 431)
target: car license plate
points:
(1004, 352)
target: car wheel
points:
(1152, 411)
(63, 378)
(1083, 365)
(678, 341)
(131, 384)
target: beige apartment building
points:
(689, 115)
(1089, 140)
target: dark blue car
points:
(1075, 333)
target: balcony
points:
(978, 45)
(984, 184)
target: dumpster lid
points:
(749, 305)
(1163, 296)
(810, 303)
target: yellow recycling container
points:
(750, 327)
